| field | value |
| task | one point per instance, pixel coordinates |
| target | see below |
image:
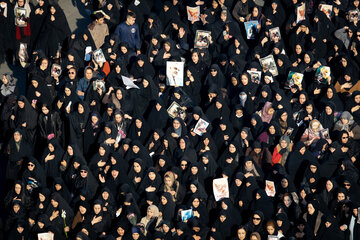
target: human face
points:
(196, 203)
(310, 209)
(35, 83)
(357, 99)
(44, 64)
(167, 47)
(182, 144)
(152, 176)
(130, 20)
(21, 104)
(241, 233)
(17, 137)
(168, 182)
(270, 229)
(149, 213)
(283, 144)
(256, 219)
(97, 208)
(137, 167)
(176, 124)
(284, 183)
(287, 201)
(100, 21)
(88, 74)
(284, 116)
(329, 185)
(82, 210)
(328, 110)
(272, 130)
(81, 109)
(135, 149)
(120, 231)
(232, 148)
(163, 200)
(244, 79)
(340, 197)
(298, 49)
(195, 57)
(213, 72)
(54, 203)
(17, 188)
(302, 98)
(307, 58)
(102, 151)
(31, 166)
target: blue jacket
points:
(129, 34)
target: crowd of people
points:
(92, 152)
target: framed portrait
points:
(174, 73)
(98, 56)
(20, 17)
(255, 76)
(250, 28)
(174, 110)
(300, 13)
(202, 39)
(353, 15)
(56, 70)
(274, 33)
(294, 79)
(268, 64)
(200, 127)
(327, 9)
(322, 74)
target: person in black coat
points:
(18, 150)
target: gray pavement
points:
(78, 19)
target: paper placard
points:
(45, 236)
(300, 13)
(268, 63)
(193, 13)
(129, 83)
(186, 215)
(200, 127)
(270, 188)
(202, 39)
(220, 188)
(174, 73)
(251, 29)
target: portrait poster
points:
(270, 188)
(200, 127)
(129, 83)
(294, 80)
(202, 39)
(193, 13)
(220, 188)
(56, 70)
(99, 84)
(45, 236)
(175, 73)
(327, 9)
(174, 110)
(23, 53)
(268, 64)
(255, 76)
(300, 13)
(250, 28)
(98, 56)
(186, 215)
(322, 74)
(20, 17)
(274, 33)
(353, 15)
